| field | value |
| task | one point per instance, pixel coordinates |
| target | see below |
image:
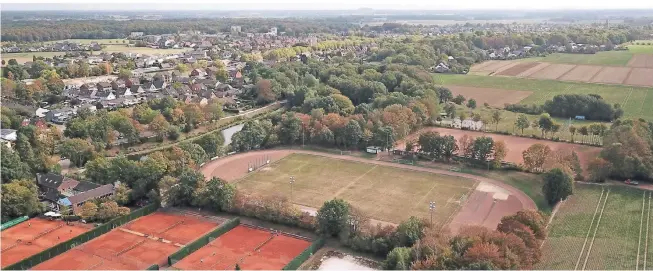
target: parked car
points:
(630, 182)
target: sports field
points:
(601, 227)
(636, 101)
(251, 248)
(137, 245)
(385, 193)
(35, 235)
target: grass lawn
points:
(645, 47)
(25, 57)
(636, 101)
(88, 41)
(144, 50)
(600, 226)
(382, 192)
(613, 58)
(507, 123)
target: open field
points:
(387, 192)
(137, 245)
(608, 58)
(645, 47)
(516, 145)
(601, 227)
(641, 61)
(118, 48)
(634, 100)
(494, 97)
(142, 50)
(250, 248)
(25, 57)
(35, 235)
(636, 72)
(507, 124)
(88, 41)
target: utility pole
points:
(292, 181)
(432, 209)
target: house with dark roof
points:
(76, 201)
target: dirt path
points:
(234, 167)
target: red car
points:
(631, 182)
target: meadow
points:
(636, 101)
(601, 227)
(610, 58)
(88, 41)
(644, 47)
(384, 193)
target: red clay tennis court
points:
(35, 235)
(137, 245)
(250, 247)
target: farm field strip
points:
(641, 223)
(569, 229)
(648, 229)
(617, 232)
(598, 223)
(598, 204)
(618, 236)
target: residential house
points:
(60, 115)
(123, 91)
(118, 84)
(208, 94)
(208, 83)
(163, 76)
(236, 78)
(8, 135)
(198, 73)
(211, 71)
(196, 88)
(87, 91)
(441, 68)
(184, 80)
(132, 81)
(105, 95)
(136, 89)
(51, 186)
(149, 87)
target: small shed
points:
(374, 149)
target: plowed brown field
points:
(492, 96)
(582, 73)
(612, 75)
(517, 69)
(552, 71)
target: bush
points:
(173, 133)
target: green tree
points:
(250, 137)
(160, 126)
(219, 194)
(410, 231)
(189, 180)
(545, 123)
(211, 143)
(352, 134)
(88, 211)
(522, 123)
(558, 185)
(482, 148)
(398, 259)
(12, 167)
(290, 128)
(496, 118)
(19, 198)
(471, 103)
(195, 152)
(77, 150)
(222, 75)
(332, 217)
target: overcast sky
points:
(326, 4)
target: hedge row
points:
(307, 253)
(52, 252)
(202, 241)
(13, 222)
(153, 267)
